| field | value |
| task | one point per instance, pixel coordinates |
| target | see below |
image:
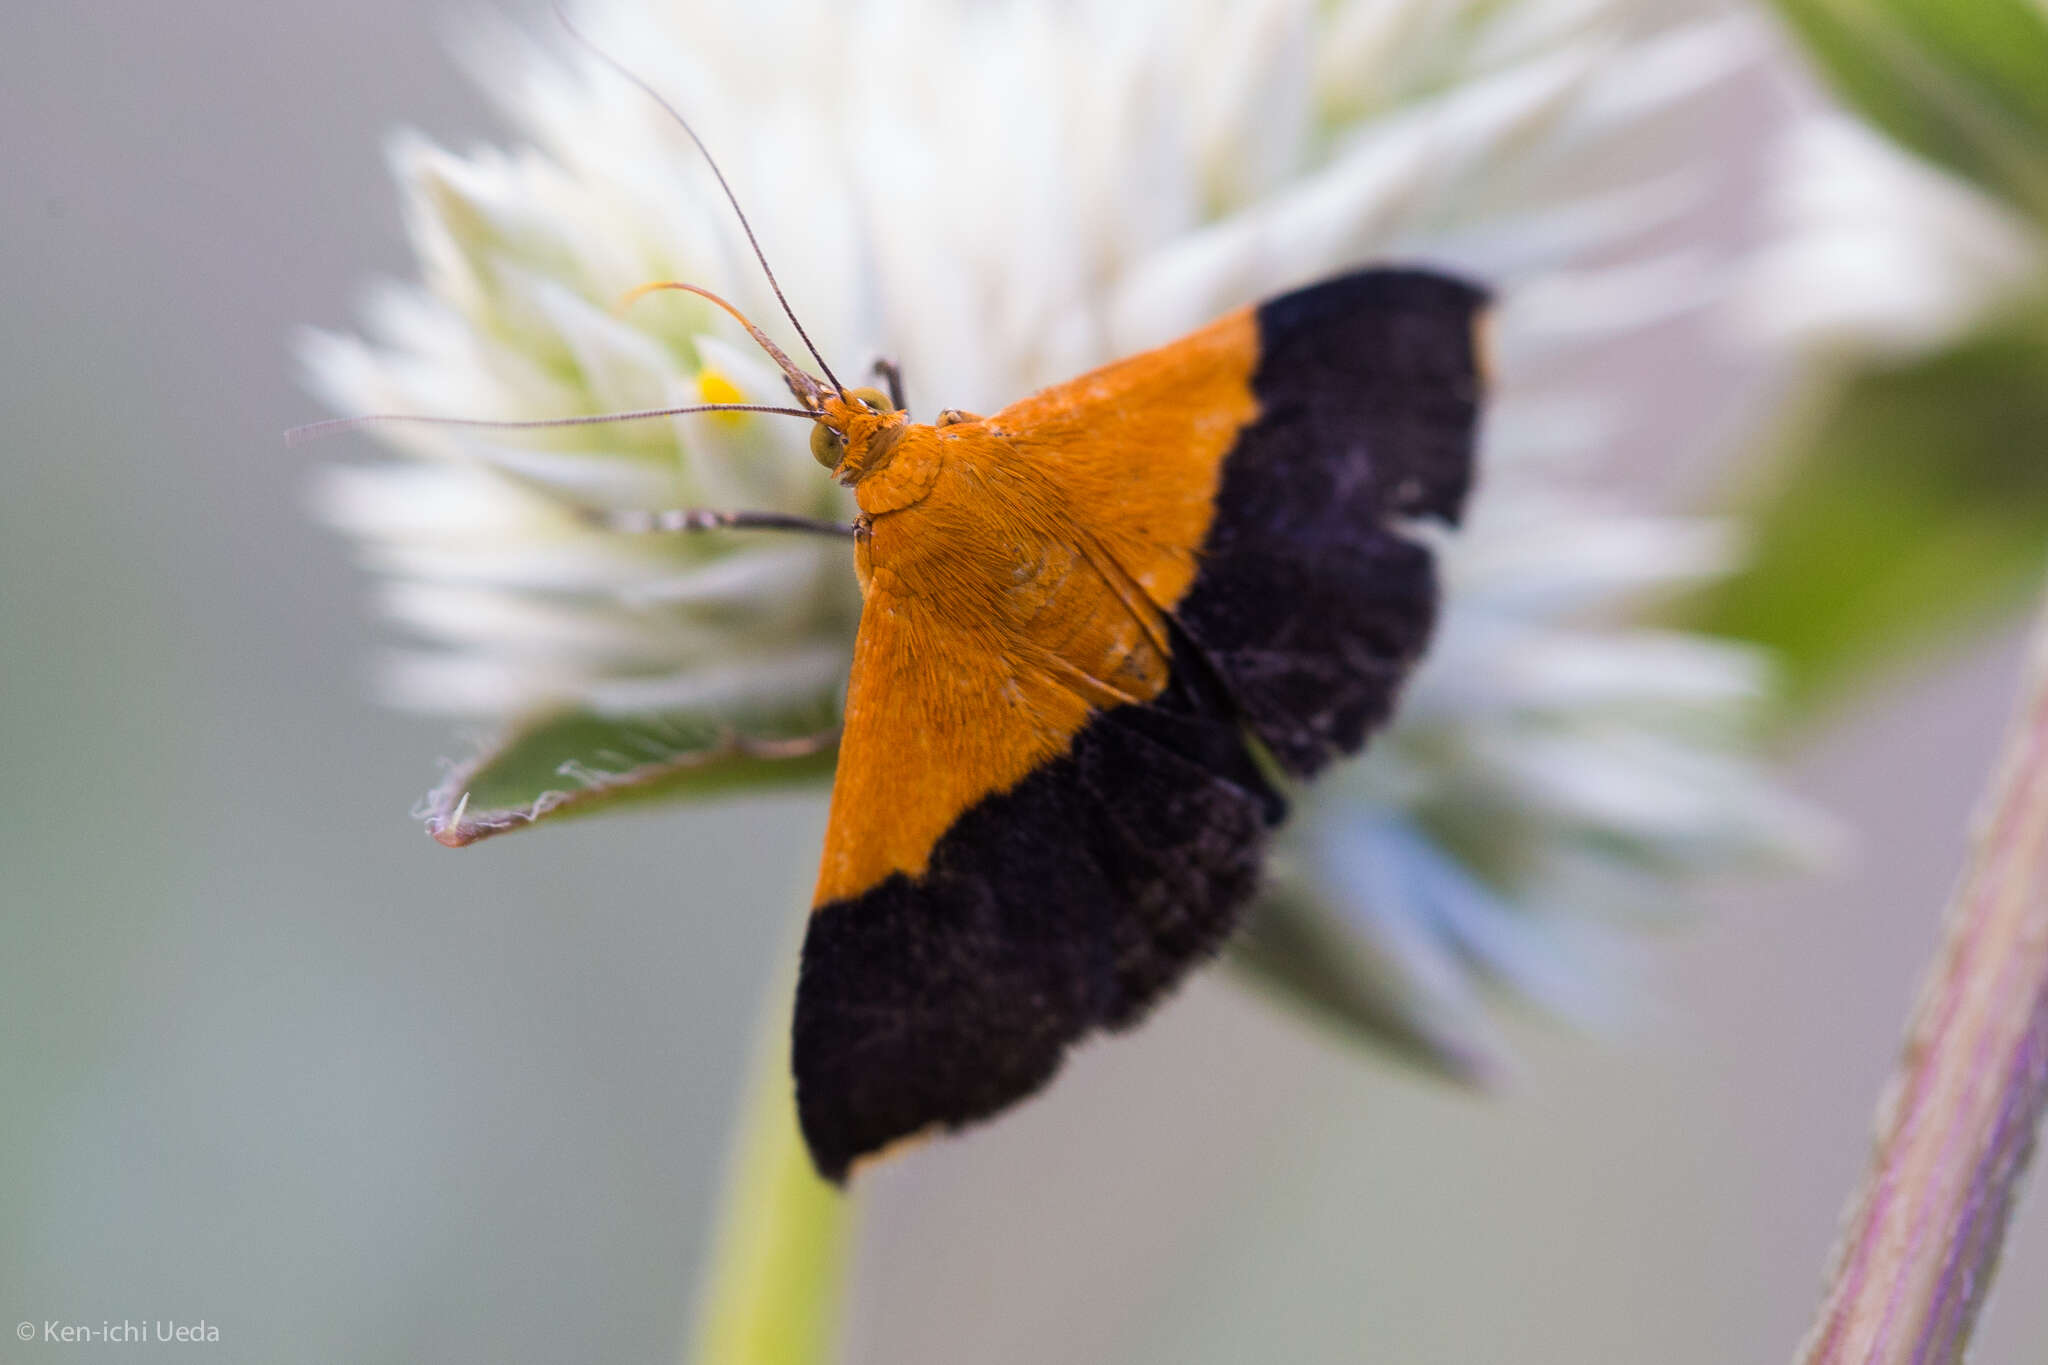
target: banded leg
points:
(891, 375)
(683, 519)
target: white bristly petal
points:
(1882, 254)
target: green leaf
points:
(1962, 82)
(576, 762)
(1917, 509)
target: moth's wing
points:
(1309, 596)
(1062, 901)
(1014, 857)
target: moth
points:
(1101, 630)
(1094, 625)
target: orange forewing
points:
(1017, 571)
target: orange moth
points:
(1100, 628)
(1092, 624)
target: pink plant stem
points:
(1959, 1117)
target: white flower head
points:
(1880, 254)
(996, 196)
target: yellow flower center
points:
(716, 388)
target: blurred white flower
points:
(998, 195)
(1552, 775)
(1878, 254)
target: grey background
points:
(275, 1061)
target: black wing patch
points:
(1070, 902)
(1311, 603)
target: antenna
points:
(807, 390)
(730, 198)
(313, 431)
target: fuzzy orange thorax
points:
(870, 436)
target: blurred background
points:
(275, 1061)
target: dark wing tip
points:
(917, 1010)
(1369, 389)
(1072, 902)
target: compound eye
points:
(875, 399)
(828, 447)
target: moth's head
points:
(853, 430)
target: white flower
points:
(1548, 778)
(1879, 254)
(998, 195)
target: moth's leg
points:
(954, 416)
(891, 374)
(681, 519)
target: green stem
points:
(1959, 1120)
(778, 1264)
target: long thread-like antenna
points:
(711, 161)
(808, 391)
(335, 425)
